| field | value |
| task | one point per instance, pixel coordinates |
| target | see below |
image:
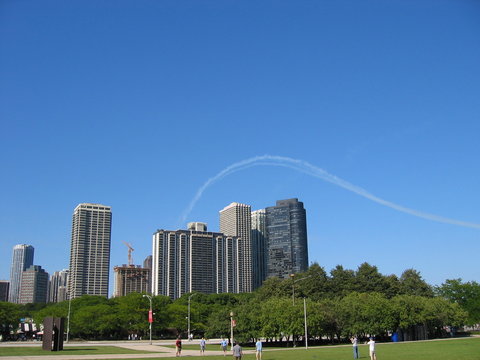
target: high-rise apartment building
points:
(57, 286)
(235, 220)
(147, 264)
(286, 227)
(34, 285)
(22, 258)
(4, 287)
(90, 250)
(190, 260)
(131, 278)
(259, 249)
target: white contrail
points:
(312, 170)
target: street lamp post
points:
(68, 316)
(188, 334)
(293, 288)
(305, 319)
(293, 300)
(150, 316)
(231, 329)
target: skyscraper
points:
(90, 250)
(191, 260)
(34, 285)
(22, 258)
(286, 225)
(235, 220)
(57, 286)
(131, 278)
(259, 250)
(4, 286)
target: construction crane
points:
(130, 249)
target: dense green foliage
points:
(339, 304)
(467, 295)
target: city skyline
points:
(143, 106)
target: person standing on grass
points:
(178, 346)
(224, 345)
(237, 352)
(203, 345)
(354, 341)
(258, 348)
(371, 343)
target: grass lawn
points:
(80, 350)
(457, 349)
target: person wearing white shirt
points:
(354, 341)
(258, 347)
(371, 344)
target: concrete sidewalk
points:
(159, 351)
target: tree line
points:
(338, 305)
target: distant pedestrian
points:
(258, 350)
(203, 345)
(354, 341)
(178, 346)
(224, 344)
(237, 352)
(371, 343)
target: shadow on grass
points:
(82, 349)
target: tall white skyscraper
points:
(236, 220)
(90, 250)
(191, 260)
(22, 258)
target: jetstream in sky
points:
(307, 168)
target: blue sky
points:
(136, 104)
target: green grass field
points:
(456, 349)
(80, 350)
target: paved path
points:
(159, 351)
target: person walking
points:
(371, 343)
(354, 341)
(258, 348)
(178, 346)
(237, 352)
(203, 345)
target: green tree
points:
(467, 295)
(342, 281)
(10, 315)
(412, 283)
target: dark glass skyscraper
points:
(286, 228)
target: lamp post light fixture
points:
(293, 288)
(188, 333)
(68, 315)
(305, 319)
(231, 329)
(150, 316)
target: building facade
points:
(189, 260)
(57, 286)
(34, 285)
(235, 220)
(259, 249)
(90, 250)
(286, 229)
(4, 288)
(131, 278)
(22, 258)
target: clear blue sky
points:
(135, 104)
